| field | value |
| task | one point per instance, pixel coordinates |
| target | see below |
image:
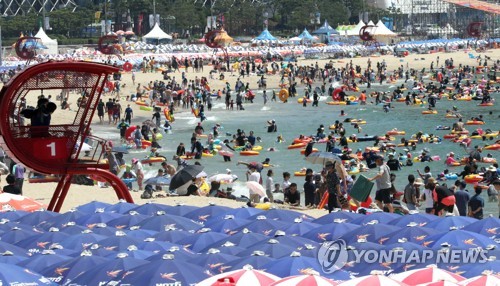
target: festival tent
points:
(156, 35)
(325, 29)
(344, 29)
(52, 45)
(382, 30)
(355, 31)
(264, 36)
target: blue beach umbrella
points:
(172, 236)
(150, 209)
(16, 234)
(150, 244)
(199, 241)
(81, 241)
(242, 239)
(13, 215)
(460, 239)
(121, 207)
(478, 269)
(180, 210)
(69, 269)
(213, 261)
(300, 227)
(35, 218)
(42, 241)
(243, 213)
(7, 225)
(127, 220)
(92, 207)
(11, 258)
(228, 224)
(489, 227)
(167, 270)
(294, 241)
(330, 231)
(380, 217)
(257, 260)
(271, 247)
(140, 234)
(372, 233)
(299, 265)
(103, 229)
(108, 273)
(265, 226)
(451, 222)
(11, 274)
(133, 252)
(283, 215)
(43, 260)
(179, 254)
(229, 248)
(7, 247)
(162, 222)
(119, 243)
(95, 218)
(419, 219)
(201, 215)
(73, 229)
(412, 234)
(62, 220)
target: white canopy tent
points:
(156, 35)
(52, 45)
(355, 31)
(383, 34)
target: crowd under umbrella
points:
(377, 233)
(418, 219)
(265, 226)
(164, 221)
(202, 239)
(128, 220)
(205, 213)
(121, 207)
(300, 227)
(227, 225)
(82, 240)
(93, 207)
(451, 222)
(282, 215)
(35, 218)
(180, 209)
(43, 260)
(338, 217)
(272, 247)
(213, 261)
(98, 217)
(150, 209)
(257, 260)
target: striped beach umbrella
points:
(245, 276)
(428, 274)
(305, 280)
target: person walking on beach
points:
(139, 172)
(383, 180)
(138, 137)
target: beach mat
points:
(361, 189)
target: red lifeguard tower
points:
(56, 149)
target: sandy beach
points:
(82, 194)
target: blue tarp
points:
(326, 29)
(265, 36)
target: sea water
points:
(293, 119)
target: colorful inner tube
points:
(249, 153)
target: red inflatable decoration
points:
(108, 45)
(367, 33)
(210, 39)
(55, 146)
(26, 47)
(474, 29)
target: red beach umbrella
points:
(426, 275)
(374, 279)
(245, 276)
(305, 280)
(482, 280)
